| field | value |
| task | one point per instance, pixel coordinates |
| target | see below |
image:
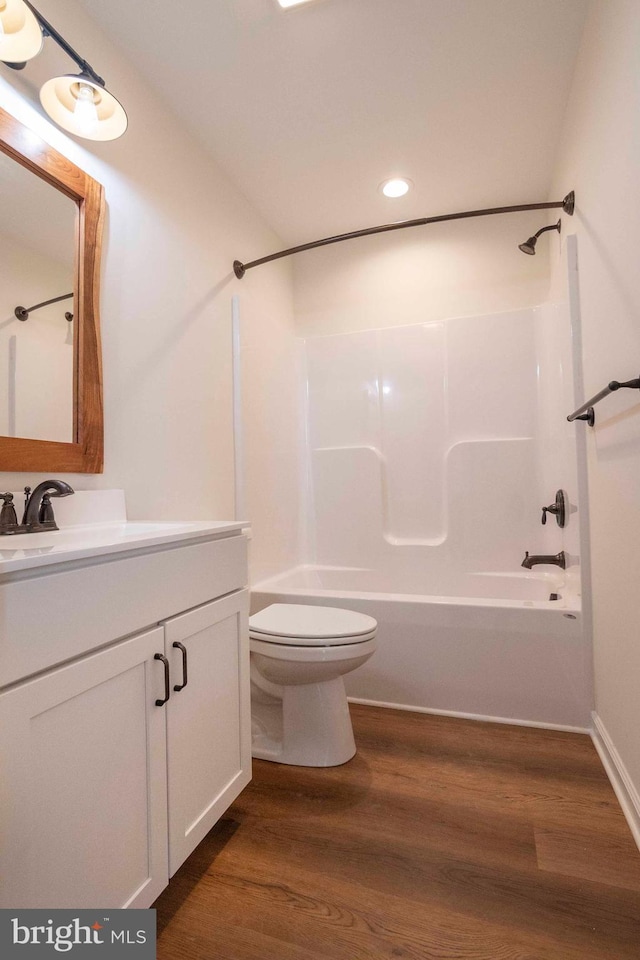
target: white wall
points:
(174, 226)
(600, 157)
(465, 268)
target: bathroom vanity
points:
(124, 706)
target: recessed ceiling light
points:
(291, 3)
(396, 187)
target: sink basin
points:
(24, 551)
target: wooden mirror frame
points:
(86, 453)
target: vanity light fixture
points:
(79, 103)
(21, 38)
(397, 187)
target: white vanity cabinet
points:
(105, 788)
(84, 782)
(212, 709)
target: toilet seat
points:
(300, 625)
(313, 653)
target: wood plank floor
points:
(442, 839)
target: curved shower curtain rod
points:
(568, 205)
(22, 313)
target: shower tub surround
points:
(431, 450)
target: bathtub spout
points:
(559, 559)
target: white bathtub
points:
(486, 645)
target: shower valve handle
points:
(557, 509)
(545, 510)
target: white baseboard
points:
(621, 782)
(471, 716)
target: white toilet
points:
(299, 655)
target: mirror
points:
(50, 361)
(37, 264)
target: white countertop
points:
(93, 523)
(27, 551)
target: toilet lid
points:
(307, 625)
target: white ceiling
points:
(309, 109)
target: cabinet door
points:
(208, 720)
(83, 782)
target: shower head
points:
(529, 246)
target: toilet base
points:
(309, 727)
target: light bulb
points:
(85, 114)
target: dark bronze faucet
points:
(38, 511)
(559, 559)
(38, 514)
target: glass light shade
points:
(61, 97)
(291, 3)
(21, 38)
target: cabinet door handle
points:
(167, 689)
(180, 686)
